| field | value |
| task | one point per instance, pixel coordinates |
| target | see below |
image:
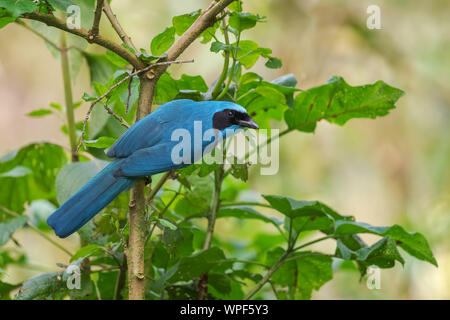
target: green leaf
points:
(239, 171)
(39, 113)
(19, 171)
(116, 59)
(198, 264)
(196, 202)
(41, 287)
(166, 89)
(40, 210)
(60, 4)
(58, 107)
(167, 224)
(6, 20)
(5, 289)
(383, 254)
(163, 41)
(187, 82)
(73, 41)
(11, 226)
(306, 215)
(44, 161)
(101, 68)
(307, 272)
(242, 21)
(102, 142)
(337, 102)
(18, 7)
(182, 22)
(246, 213)
(219, 46)
(75, 175)
(273, 63)
(249, 52)
(313, 272)
(412, 242)
(87, 251)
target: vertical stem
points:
(138, 223)
(226, 63)
(219, 175)
(68, 96)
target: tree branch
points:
(93, 33)
(206, 19)
(116, 25)
(52, 21)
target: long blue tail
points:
(88, 201)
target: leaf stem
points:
(35, 229)
(68, 96)
(223, 75)
(267, 276)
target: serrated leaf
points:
(412, 242)
(337, 102)
(306, 215)
(198, 264)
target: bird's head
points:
(231, 115)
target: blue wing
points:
(150, 130)
(149, 161)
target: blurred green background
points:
(391, 170)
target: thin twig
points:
(93, 33)
(117, 27)
(52, 21)
(159, 185)
(122, 121)
(40, 35)
(129, 93)
(267, 276)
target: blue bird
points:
(145, 149)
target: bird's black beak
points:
(248, 123)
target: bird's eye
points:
(230, 113)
